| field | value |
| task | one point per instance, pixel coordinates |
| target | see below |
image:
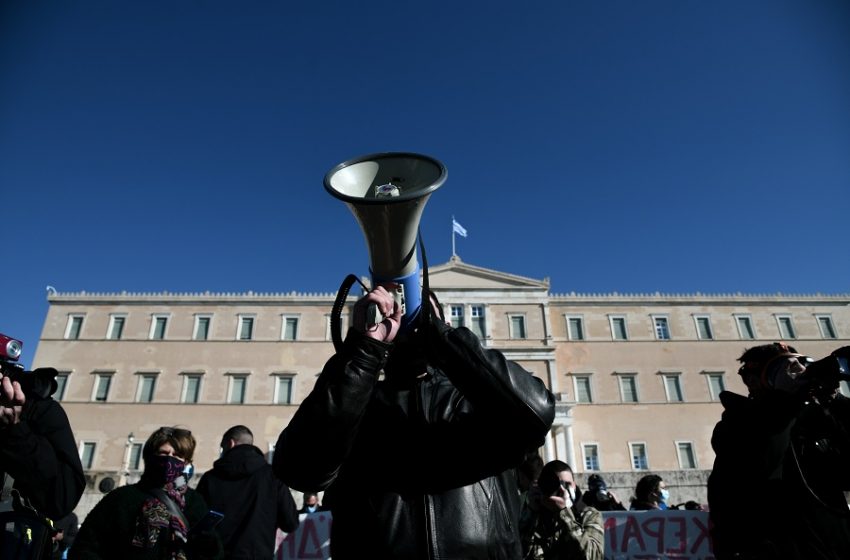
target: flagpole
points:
(454, 254)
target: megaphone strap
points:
(336, 310)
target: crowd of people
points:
(424, 443)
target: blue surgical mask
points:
(665, 495)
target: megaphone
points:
(387, 193)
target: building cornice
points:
(188, 297)
(697, 297)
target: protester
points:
(242, 486)
(421, 462)
(598, 495)
(650, 493)
(310, 503)
(37, 446)
(559, 525)
(151, 520)
(785, 448)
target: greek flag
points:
(458, 229)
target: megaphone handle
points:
(373, 316)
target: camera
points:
(40, 383)
(10, 348)
(830, 371)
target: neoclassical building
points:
(637, 376)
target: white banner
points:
(310, 541)
(629, 535)
(657, 535)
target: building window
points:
(289, 329)
(639, 460)
(343, 319)
(116, 327)
(246, 328)
(192, 388)
(786, 327)
(202, 327)
(283, 389)
(827, 330)
(687, 457)
(704, 331)
(618, 328)
(147, 384)
(673, 387)
(582, 388)
(238, 384)
(478, 325)
(74, 327)
(517, 324)
(102, 381)
(628, 388)
(87, 449)
(456, 315)
(591, 456)
(158, 324)
(745, 327)
(662, 329)
(716, 385)
(575, 328)
(135, 462)
(61, 385)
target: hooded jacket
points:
(418, 467)
(242, 486)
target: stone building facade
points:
(637, 376)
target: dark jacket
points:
(423, 468)
(107, 531)
(40, 453)
(776, 488)
(242, 486)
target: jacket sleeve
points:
(319, 438)
(287, 514)
(584, 537)
(509, 395)
(103, 530)
(40, 453)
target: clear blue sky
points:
(631, 146)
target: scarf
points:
(154, 519)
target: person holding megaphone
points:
(414, 435)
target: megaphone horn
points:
(387, 193)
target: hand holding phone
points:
(207, 523)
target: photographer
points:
(557, 523)
(420, 463)
(37, 447)
(783, 460)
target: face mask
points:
(665, 495)
(188, 471)
(311, 509)
(162, 469)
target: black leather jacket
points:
(422, 468)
